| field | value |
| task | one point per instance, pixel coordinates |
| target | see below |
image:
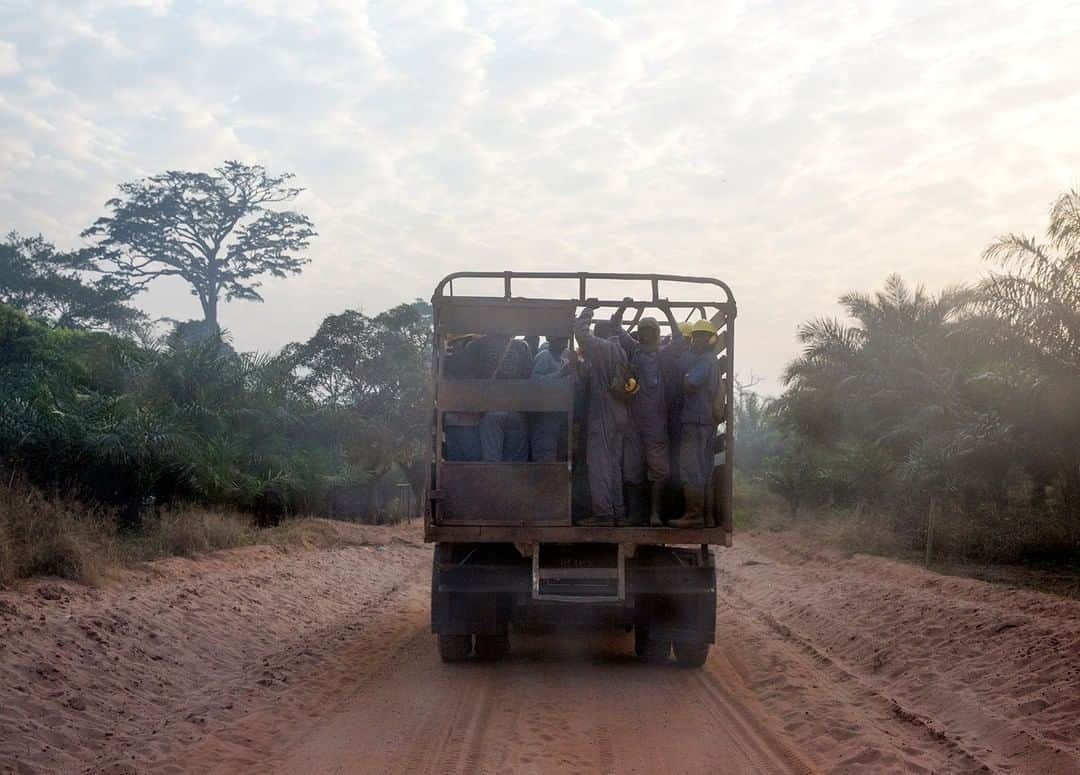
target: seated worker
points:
(646, 453)
(608, 417)
(504, 436)
(548, 430)
(698, 426)
(461, 430)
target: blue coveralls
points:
(461, 430)
(675, 361)
(646, 452)
(504, 436)
(548, 430)
(608, 421)
(698, 431)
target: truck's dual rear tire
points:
(687, 654)
(455, 648)
(458, 648)
(649, 649)
(691, 654)
(492, 647)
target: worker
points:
(580, 502)
(548, 430)
(608, 416)
(646, 460)
(675, 359)
(504, 435)
(698, 426)
(461, 430)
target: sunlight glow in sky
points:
(795, 150)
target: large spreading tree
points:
(218, 232)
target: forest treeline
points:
(311, 429)
(967, 401)
(101, 404)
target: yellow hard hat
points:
(704, 326)
(686, 327)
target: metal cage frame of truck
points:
(452, 513)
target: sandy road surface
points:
(580, 705)
(321, 662)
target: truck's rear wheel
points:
(691, 654)
(649, 649)
(455, 648)
(491, 647)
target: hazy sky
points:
(796, 150)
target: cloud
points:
(796, 151)
(9, 60)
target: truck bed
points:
(527, 534)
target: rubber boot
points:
(656, 502)
(694, 516)
(636, 513)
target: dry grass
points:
(989, 536)
(1029, 550)
(755, 505)
(53, 536)
(42, 536)
(8, 571)
(305, 533)
(189, 532)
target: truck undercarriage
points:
(666, 594)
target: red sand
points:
(261, 660)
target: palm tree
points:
(1029, 318)
(890, 376)
(1038, 303)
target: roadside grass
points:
(41, 536)
(187, 533)
(305, 533)
(1027, 550)
(755, 506)
(46, 535)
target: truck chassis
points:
(666, 594)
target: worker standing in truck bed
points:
(608, 418)
(647, 458)
(698, 427)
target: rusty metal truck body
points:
(508, 554)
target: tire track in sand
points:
(391, 630)
(445, 737)
(762, 748)
(931, 733)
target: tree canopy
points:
(217, 232)
(64, 288)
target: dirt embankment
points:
(130, 673)
(259, 660)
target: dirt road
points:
(326, 665)
(559, 705)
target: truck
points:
(510, 552)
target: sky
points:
(794, 150)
